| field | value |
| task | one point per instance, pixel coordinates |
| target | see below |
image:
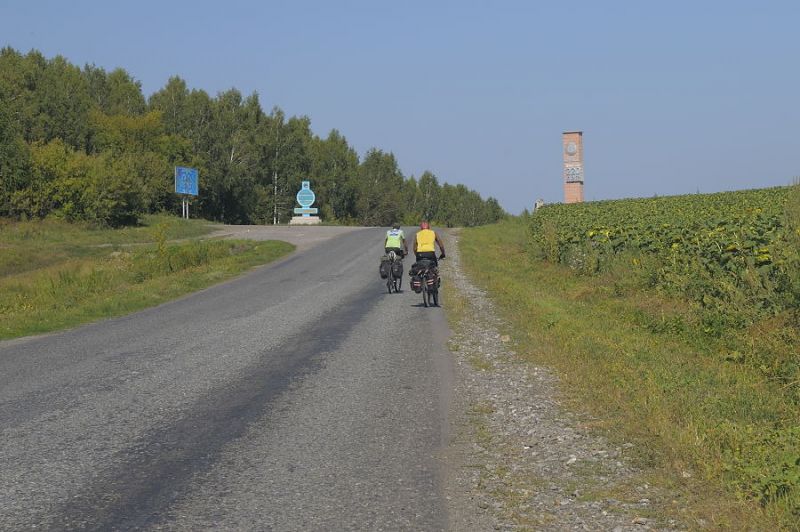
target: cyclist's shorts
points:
(430, 255)
(398, 251)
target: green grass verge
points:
(29, 246)
(56, 275)
(704, 428)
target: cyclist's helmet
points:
(395, 226)
(424, 225)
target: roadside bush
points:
(167, 259)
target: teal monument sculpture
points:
(307, 213)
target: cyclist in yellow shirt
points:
(425, 242)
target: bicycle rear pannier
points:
(397, 269)
(432, 279)
(416, 283)
(416, 267)
(384, 268)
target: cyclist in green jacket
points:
(396, 241)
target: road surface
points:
(300, 396)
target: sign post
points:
(186, 184)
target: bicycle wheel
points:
(435, 294)
(424, 293)
(390, 282)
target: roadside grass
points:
(632, 360)
(31, 245)
(56, 275)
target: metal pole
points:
(275, 183)
(275, 197)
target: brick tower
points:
(573, 166)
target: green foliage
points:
(733, 253)
(716, 415)
(762, 463)
(735, 258)
(14, 160)
(61, 104)
(334, 167)
(83, 144)
(379, 189)
(786, 249)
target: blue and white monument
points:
(307, 213)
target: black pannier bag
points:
(431, 279)
(384, 267)
(397, 269)
(416, 275)
(417, 267)
(416, 283)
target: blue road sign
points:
(186, 180)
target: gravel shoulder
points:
(518, 459)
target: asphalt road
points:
(301, 396)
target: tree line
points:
(85, 144)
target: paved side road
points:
(302, 236)
(298, 397)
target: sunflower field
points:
(718, 275)
(734, 253)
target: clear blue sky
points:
(673, 97)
